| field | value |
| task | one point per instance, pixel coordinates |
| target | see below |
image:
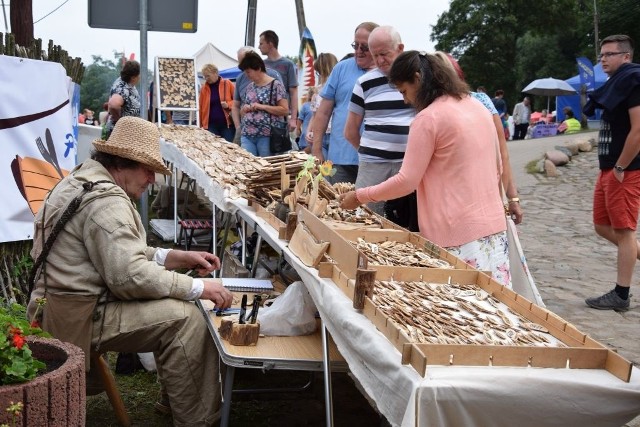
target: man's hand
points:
(218, 294)
(619, 175)
(203, 262)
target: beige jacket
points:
(103, 247)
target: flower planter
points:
(56, 397)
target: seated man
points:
(106, 290)
(570, 124)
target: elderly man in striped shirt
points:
(382, 142)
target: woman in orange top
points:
(216, 98)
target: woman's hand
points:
(515, 210)
(349, 200)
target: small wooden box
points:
(239, 334)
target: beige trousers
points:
(186, 356)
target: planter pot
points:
(54, 398)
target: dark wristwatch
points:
(618, 168)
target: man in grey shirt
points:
(268, 45)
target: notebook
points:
(235, 284)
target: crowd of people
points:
(393, 122)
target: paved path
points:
(566, 258)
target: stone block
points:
(550, 169)
(557, 157)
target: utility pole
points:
(595, 29)
(302, 22)
(250, 29)
(21, 19)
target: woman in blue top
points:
(264, 104)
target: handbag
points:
(279, 140)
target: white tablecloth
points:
(456, 396)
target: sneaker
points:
(609, 301)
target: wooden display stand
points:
(175, 87)
(239, 333)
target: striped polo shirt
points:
(386, 118)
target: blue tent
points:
(230, 73)
(573, 101)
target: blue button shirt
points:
(338, 89)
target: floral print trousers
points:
(489, 253)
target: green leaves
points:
(17, 364)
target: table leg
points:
(226, 396)
(256, 255)
(175, 206)
(326, 369)
(214, 233)
(244, 243)
(227, 225)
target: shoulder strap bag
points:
(279, 141)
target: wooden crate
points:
(582, 352)
(349, 259)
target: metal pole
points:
(302, 23)
(326, 370)
(250, 29)
(595, 29)
(4, 13)
(144, 86)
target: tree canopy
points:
(507, 44)
(96, 84)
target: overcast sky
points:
(331, 23)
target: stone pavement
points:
(568, 261)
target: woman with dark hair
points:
(264, 104)
(452, 161)
(124, 99)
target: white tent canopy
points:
(209, 54)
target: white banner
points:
(37, 139)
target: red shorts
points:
(617, 203)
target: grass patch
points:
(300, 408)
(532, 167)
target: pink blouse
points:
(451, 159)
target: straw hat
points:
(135, 139)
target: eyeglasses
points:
(363, 47)
(609, 54)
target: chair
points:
(110, 386)
(189, 226)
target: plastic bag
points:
(292, 313)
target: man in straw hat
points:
(106, 290)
